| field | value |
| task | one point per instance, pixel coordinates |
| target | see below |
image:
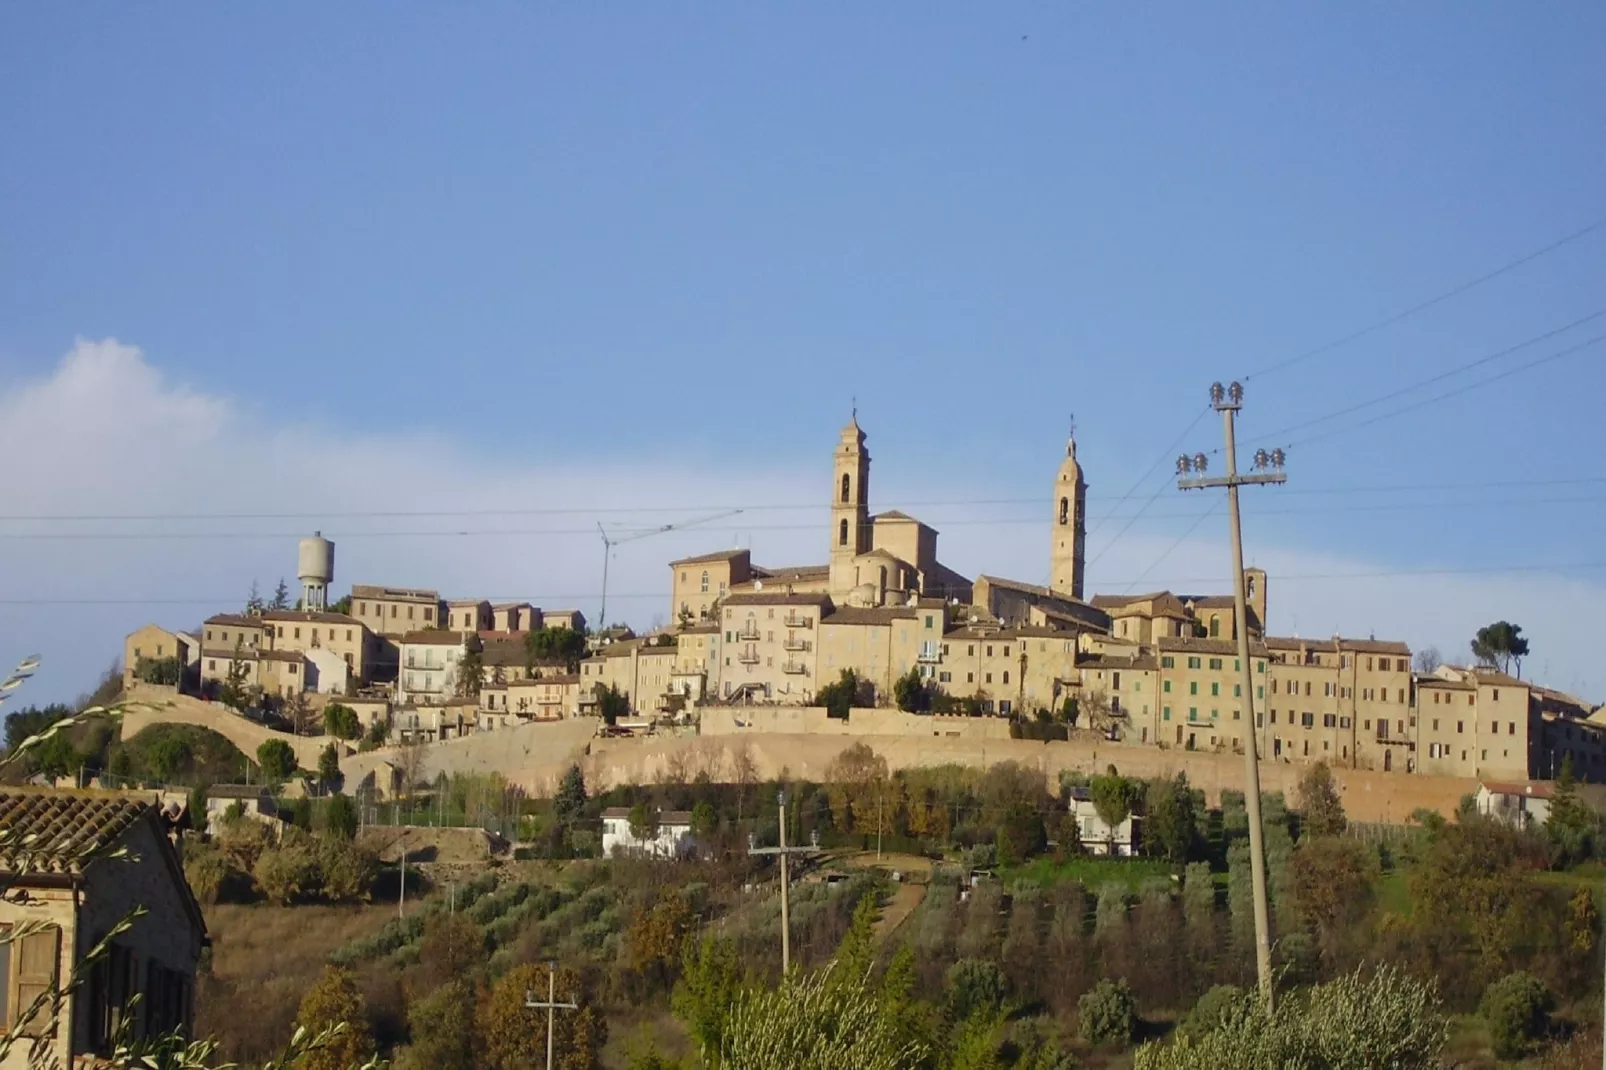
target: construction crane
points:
(609, 543)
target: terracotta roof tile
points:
(62, 832)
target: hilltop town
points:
(881, 623)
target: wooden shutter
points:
(34, 960)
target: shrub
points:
(1517, 1010)
(334, 1000)
(1210, 1011)
(340, 816)
(1353, 1023)
(207, 871)
(287, 873)
(341, 721)
(346, 871)
(277, 759)
(974, 985)
(1108, 1013)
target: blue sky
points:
(672, 245)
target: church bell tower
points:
(850, 506)
(1070, 526)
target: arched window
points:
(1215, 627)
(1250, 584)
(705, 581)
(844, 487)
(1065, 510)
(883, 577)
(842, 531)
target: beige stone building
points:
(1474, 723)
(395, 611)
(278, 673)
(154, 643)
(75, 864)
(771, 646)
(1201, 695)
(515, 617)
(572, 619)
(1069, 551)
(225, 630)
(470, 615)
(303, 632)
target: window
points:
(1168, 662)
(944, 677)
(1343, 722)
(1215, 689)
(1215, 627)
(1166, 687)
(1329, 720)
(1458, 727)
(1165, 713)
(1215, 663)
(1065, 510)
(845, 486)
(1115, 681)
(970, 678)
(1193, 663)
(1402, 695)
(989, 650)
(1307, 720)
(929, 619)
(703, 585)
(409, 612)
(1193, 687)
(1511, 728)
(989, 678)
(1497, 694)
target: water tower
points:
(315, 568)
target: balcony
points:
(795, 668)
(749, 634)
(798, 620)
(748, 657)
(931, 656)
(794, 644)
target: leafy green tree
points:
(909, 691)
(1332, 884)
(341, 721)
(281, 596)
(329, 765)
(611, 704)
(1108, 1013)
(1572, 828)
(163, 672)
(1499, 645)
(340, 816)
(277, 759)
(1170, 823)
(643, 822)
(169, 758)
(377, 733)
(342, 606)
(839, 698)
(471, 668)
(334, 1000)
(554, 644)
(704, 819)
(1517, 1010)
(1021, 833)
(975, 986)
(1386, 1018)
(442, 1028)
(570, 800)
(1210, 1011)
(807, 1021)
(32, 720)
(1114, 797)
(1323, 813)
(710, 978)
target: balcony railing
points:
(931, 656)
(749, 634)
(796, 668)
(748, 657)
(798, 620)
(791, 643)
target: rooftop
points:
(665, 817)
(62, 832)
(394, 594)
(1337, 643)
(1535, 789)
(769, 597)
(870, 614)
(305, 615)
(703, 559)
(433, 638)
(1185, 645)
(238, 620)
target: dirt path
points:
(906, 899)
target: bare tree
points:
(410, 763)
(299, 712)
(1094, 712)
(1428, 659)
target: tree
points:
(840, 697)
(442, 1028)
(554, 644)
(1114, 796)
(234, 692)
(643, 823)
(410, 763)
(656, 937)
(277, 759)
(857, 778)
(704, 819)
(1428, 659)
(1333, 880)
(808, 1021)
(514, 1036)
(334, 1000)
(570, 801)
(1323, 813)
(341, 722)
(329, 765)
(471, 668)
(611, 704)
(31, 721)
(299, 712)
(164, 672)
(1572, 827)
(452, 947)
(340, 817)
(1499, 645)
(909, 691)
(253, 601)
(1170, 823)
(281, 596)
(710, 977)
(1108, 1013)
(1517, 1010)
(1095, 712)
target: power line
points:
(1484, 501)
(1449, 393)
(1441, 376)
(1163, 458)
(1454, 291)
(1169, 549)
(1173, 582)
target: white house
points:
(673, 840)
(428, 671)
(327, 672)
(1098, 838)
(254, 800)
(1517, 804)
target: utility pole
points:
(1268, 469)
(783, 851)
(551, 1005)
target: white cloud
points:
(107, 434)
